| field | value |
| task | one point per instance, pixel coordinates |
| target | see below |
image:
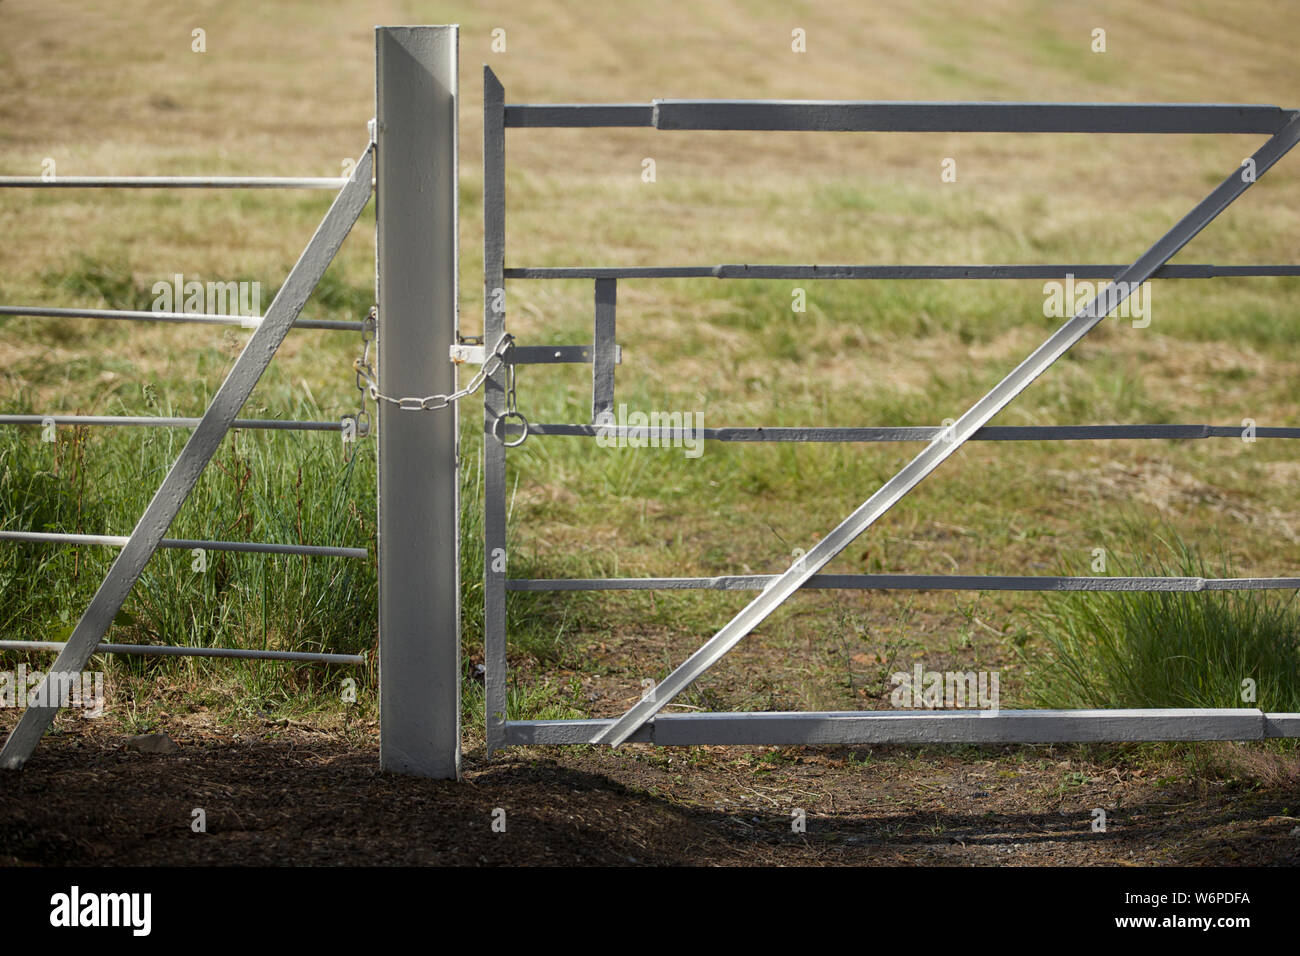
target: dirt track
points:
(291, 795)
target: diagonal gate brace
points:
(950, 439)
(198, 451)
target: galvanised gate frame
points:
(643, 721)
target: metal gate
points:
(502, 426)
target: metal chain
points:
(362, 417)
(368, 384)
(512, 403)
(360, 420)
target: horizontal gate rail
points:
(908, 582)
(818, 433)
(918, 117)
(174, 182)
(922, 727)
(169, 650)
(197, 318)
(252, 547)
(1045, 271)
(155, 421)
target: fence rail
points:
(818, 433)
(737, 271)
(908, 582)
(158, 421)
(251, 547)
(169, 650)
(900, 117)
(921, 727)
(198, 318)
(174, 182)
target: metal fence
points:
(415, 98)
(208, 432)
(116, 541)
(644, 720)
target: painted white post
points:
(416, 99)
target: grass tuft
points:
(1169, 649)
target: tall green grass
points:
(1166, 648)
(283, 487)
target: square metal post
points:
(416, 98)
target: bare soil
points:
(290, 794)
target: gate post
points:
(416, 96)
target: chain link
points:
(362, 417)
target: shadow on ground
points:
(308, 800)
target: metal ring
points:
(522, 438)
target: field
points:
(287, 90)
